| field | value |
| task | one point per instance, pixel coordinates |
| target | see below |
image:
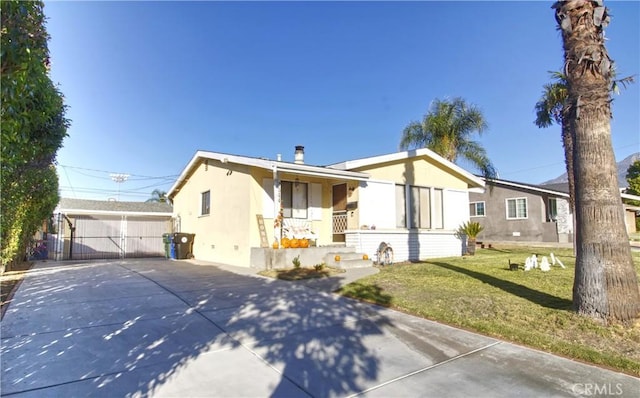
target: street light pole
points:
(119, 179)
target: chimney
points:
(298, 157)
(279, 157)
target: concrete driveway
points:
(183, 329)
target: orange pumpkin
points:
(286, 243)
(365, 257)
(304, 243)
(337, 258)
(275, 244)
(294, 244)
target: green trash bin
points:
(166, 240)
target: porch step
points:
(347, 260)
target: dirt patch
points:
(296, 274)
(9, 282)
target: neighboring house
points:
(95, 229)
(630, 211)
(413, 200)
(514, 211)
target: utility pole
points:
(119, 179)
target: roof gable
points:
(451, 167)
(267, 164)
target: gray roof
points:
(560, 187)
(67, 205)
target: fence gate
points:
(108, 237)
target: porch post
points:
(277, 205)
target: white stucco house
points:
(413, 200)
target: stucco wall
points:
(534, 228)
(223, 235)
(420, 171)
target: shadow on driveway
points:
(140, 328)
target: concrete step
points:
(347, 260)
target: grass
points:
(296, 274)
(481, 294)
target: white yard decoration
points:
(534, 260)
(544, 264)
(528, 264)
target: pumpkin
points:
(275, 244)
(365, 257)
(304, 243)
(286, 242)
(337, 258)
(295, 243)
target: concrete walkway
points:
(182, 329)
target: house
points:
(413, 200)
(96, 229)
(631, 212)
(519, 212)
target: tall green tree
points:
(158, 196)
(447, 129)
(606, 284)
(633, 179)
(33, 126)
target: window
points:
(294, 199)
(401, 207)
(553, 209)
(476, 209)
(419, 207)
(516, 208)
(205, 203)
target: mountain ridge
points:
(622, 166)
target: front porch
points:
(268, 258)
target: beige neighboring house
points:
(413, 200)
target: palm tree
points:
(605, 285)
(446, 129)
(553, 106)
(158, 196)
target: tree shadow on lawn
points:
(535, 296)
(144, 328)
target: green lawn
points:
(481, 294)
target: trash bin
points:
(183, 245)
(166, 240)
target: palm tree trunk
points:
(606, 284)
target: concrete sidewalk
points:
(182, 329)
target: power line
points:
(141, 177)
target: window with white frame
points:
(516, 208)
(295, 202)
(476, 209)
(425, 207)
(205, 203)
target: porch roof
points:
(266, 164)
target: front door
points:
(339, 212)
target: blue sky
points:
(150, 83)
